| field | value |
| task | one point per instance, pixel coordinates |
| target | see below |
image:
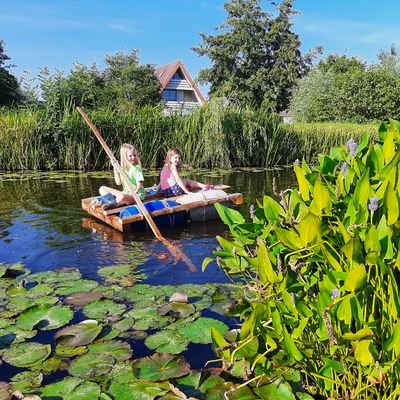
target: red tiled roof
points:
(166, 72)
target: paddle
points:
(173, 249)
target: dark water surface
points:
(43, 226)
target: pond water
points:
(43, 226)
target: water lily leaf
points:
(45, 317)
(265, 269)
(289, 238)
(13, 335)
(177, 310)
(391, 203)
(80, 334)
(103, 309)
(71, 388)
(147, 318)
(68, 352)
(167, 341)
(37, 291)
(160, 367)
(278, 390)
(200, 330)
(22, 303)
(124, 324)
(55, 276)
(91, 364)
(139, 390)
(120, 350)
(116, 270)
(80, 299)
(27, 381)
(361, 192)
(26, 354)
(82, 285)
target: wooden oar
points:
(173, 249)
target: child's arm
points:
(117, 176)
(178, 179)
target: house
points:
(178, 91)
(287, 116)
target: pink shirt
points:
(167, 179)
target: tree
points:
(130, 84)
(256, 58)
(9, 87)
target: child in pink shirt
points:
(171, 184)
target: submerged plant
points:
(320, 276)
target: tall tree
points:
(129, 83)
(9, 87)
(256, 58)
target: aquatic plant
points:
(210, 137)
(319, 271)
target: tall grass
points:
(213, 136)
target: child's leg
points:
(120, 197)
(190, 184)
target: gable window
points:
(169, 95)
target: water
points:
(43, 226)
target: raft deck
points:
(196, 207)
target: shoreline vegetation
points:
(214, 136)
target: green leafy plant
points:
(320, 276)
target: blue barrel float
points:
(162, 221)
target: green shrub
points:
(320, 275)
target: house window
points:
(169, 95)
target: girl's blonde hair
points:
(172, 152)
(124, 160)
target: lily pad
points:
(55, 276)
(147, 318)
(27, 381)
(82, 285)
(80, 299)
(37, 291)
(14, 335)
(71, 389)
(138, 390)
(177, 310)
(91, 365)
(26, 354)
(68, 352)
(120, 350)
(22, 303)
(80, 334)
(167, 342)
(103, 309)
(200, 330)
(160, 367)
(45, 317)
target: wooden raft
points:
(111, 217)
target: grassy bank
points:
(213, 136)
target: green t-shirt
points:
(135, 174)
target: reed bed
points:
(211, 137)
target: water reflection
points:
(42, 225)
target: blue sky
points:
(57, 33)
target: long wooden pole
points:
(173, 249)
(123, 175)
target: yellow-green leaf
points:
(322, 200)
(304, 185)
(356, 278)
(391, 204)
(364, 333)
(265, 269)
(362, 353)
(309, 229)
